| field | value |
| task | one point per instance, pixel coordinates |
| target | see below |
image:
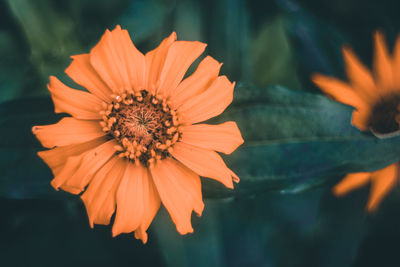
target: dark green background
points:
(298, 142)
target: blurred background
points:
(261, 43)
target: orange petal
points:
(56, 158)
(107, 61)
(224, 137)
(130, 200)
(206, 163)
(151, 204)
(70, 167)
(79, 104)
(180, 192)
(350, 182)
(91, 162)
(360, 118)
(360, 77)
(180, 56)
(338, 90)
(118, 62)
(382, 182)
(208, 104)
(100, 196)
(67, 131)
(396, 64)
(81, 71)
(155, 60)
(133, 59)
(198, 82)
(382, 63)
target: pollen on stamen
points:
(144, 126)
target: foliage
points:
(298, 142)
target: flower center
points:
(385, 115)
(143, 124)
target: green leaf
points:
(295, 141)
(277, 113)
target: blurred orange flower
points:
(376, 99)
(133, 139)
(382, 181)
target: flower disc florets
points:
(145, 126)
(385, 115)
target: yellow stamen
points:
(144, 125)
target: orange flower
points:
(376, 99)
(382, 181)
(133, 139)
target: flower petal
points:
(360, 118)
(107, 63)
(204, 162)
(100, 197)
(360, 77)
(118, 62)
(130, 195)
(70, 167)
(132, 58)
(208, 104)
(180, 192)
(155, 60)
(81, 71)
(338, 90)
(79, 104)
(151, 204)
(198, 82)
(180, 56)
(350, 182)
(396, 64)
(56, 158)
(67, 131)
(382, 182)
(91, 162)
(382, 64)
(224, 137)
